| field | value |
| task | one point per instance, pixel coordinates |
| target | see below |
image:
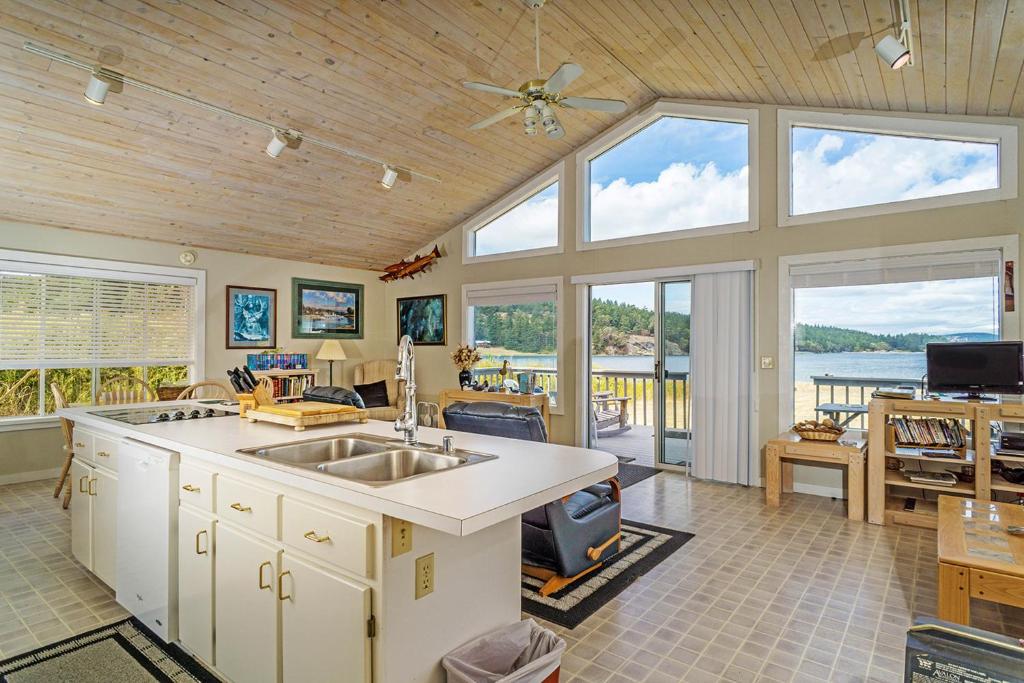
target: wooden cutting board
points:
(303, 408)
(306, 414)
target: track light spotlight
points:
(892, 52)
(390, 176)
(530, 119)
(277, 144)
(99, 86)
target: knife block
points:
(245, 402)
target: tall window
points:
(843, 166)
(80, 326)
(525, 223)
(517, 322)
(684, 171)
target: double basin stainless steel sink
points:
(366, 458)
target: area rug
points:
(631, 474)
(125, 652)
(643, 547)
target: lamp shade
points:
(331, 350)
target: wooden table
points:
(450, 396)
(977, 557)
(787, 448)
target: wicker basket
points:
(814, 435)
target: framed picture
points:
(423, 318)
(326, 310)
(251, 319)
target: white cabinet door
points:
(323, 625)
(104, 526)
(195, 582)
(245, 605)
(81, 512)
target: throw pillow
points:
(374, 395)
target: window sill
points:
(585, 244)
(509, 255)
(19, 424)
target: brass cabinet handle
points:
(103, 454)
(240, 507)
(81, 484)
(311, 535)
(260, 570)
(92, 491)
(198, 551)
(190, 488)
(280, 587)
(79, 444)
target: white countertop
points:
(459, 501)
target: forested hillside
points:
(825, 339)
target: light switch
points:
(767, 362)
(401, 536)
(424, 575)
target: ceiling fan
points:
(538, 97)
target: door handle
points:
(240, 507)
(657, 371)
(190, 488)
(81, 484)
(103, 454)
(92, 491)
(198, 551)
(260, 580)
(280, 586)
(79, 444)
(312, 536)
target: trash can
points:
(518, 653)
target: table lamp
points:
(331, 351)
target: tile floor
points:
(798, 593)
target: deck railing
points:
(855, 390)
(637, 385)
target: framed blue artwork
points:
(326, 310)
(423, 318)
(251, 318)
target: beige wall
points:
(36, 450)
(766, 245)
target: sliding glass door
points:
(673, 388)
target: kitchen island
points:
(284, 572)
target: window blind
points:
(917, 268)
(52, 317)
(515, 294)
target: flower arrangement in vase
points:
(464, 358)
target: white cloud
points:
(531, 225)
(683, 196)
(888, 168)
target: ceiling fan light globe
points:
(530, 130)
(892, 52)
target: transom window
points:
(676, 171)
(840, 166)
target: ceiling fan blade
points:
(497, 117)
(487, 87)
(594, 104)
(563, 76)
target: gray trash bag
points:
(519, 653)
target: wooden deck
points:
(638, 443)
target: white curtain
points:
(721, 359)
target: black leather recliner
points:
(566, 538)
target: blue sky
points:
(677, 295)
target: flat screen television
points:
(976, 368)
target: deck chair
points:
(67, 428)
(610, 411)
(210, 388)
(125, 389)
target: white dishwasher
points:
(147, 535)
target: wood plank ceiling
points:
(383, 76)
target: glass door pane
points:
(672, 365)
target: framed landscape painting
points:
(326, 310)
(251, 318)
(423, 318)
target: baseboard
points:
(20, 477)
(816, 490)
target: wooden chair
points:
(125, 389)
(67, 427)
(611, 411)
(210, 388)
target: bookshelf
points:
(889, 489)
(289, 384)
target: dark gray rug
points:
(631, 474)
(643, 547)
(125, 652)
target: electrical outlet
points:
(401, 536)
(424, 575)
(767, 362)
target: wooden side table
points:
(977, 557)
(449, 396)
(787, 448)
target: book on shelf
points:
(907, 393)
(929, 432)
(935, 478)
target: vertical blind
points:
(63, 319)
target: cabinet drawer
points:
(1011, 412)
(343, 541)
(82, 442)
(932, 407)
(196, 487)
(248, 506)
(104, 451)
